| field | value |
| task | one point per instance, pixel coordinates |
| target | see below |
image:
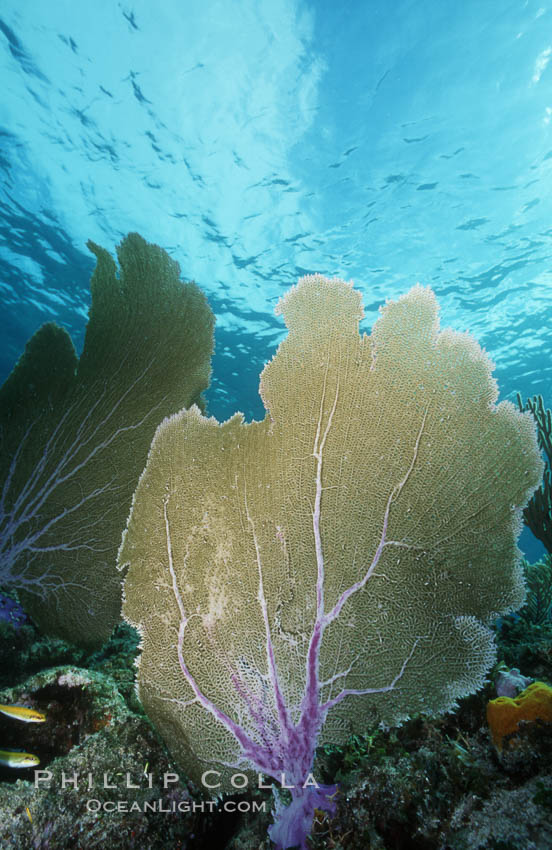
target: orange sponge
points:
(504, 714)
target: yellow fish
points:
(19, 712)
(14, 758)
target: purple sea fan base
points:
(281, 745)
(293, 823)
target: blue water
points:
(256, 141)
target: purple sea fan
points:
(336, 564)
(75, 433)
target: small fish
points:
(19, 712)
(15, 758)
(29, 815)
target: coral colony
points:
(74, 435)
(337, 564)
(333, 566)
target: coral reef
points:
(525, 638)
(431, 784)
(437, 784)
(101, 781)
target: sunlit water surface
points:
(387, 143)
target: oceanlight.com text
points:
(208, 806)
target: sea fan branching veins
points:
(283, 748)
(36, 522)
(74, 435)
(337, 564)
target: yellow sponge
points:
(504, 713)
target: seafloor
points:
(432, 784)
